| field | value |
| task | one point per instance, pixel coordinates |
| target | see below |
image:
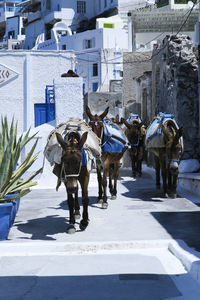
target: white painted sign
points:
(6, 74)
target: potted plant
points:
(12, 186)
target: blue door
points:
(40, 114)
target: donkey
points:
(166, 150)
(110, 160)
(70, 171)
(135, 133)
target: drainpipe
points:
(27, 93)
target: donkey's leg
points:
(84, 181)
(77, 207)
(105, 175)
(99, 178)
(164, 174)
(174, 186)
(139, 160)
(157, 169)
(71, 227)
(116, 175)
(111, 167)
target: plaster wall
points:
(69, 98)
(34, 71)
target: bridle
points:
(63, 171)
(95, 125)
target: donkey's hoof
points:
(105, 205)
(166, 195)
(99, 200)
(77, 214)
(71, 229)
(83, 225)
(173, 196)
(113, 197)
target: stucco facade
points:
(34, 70)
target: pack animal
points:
(166, 144)
(110, 161)
(70, 171)
(135, 133)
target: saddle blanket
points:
(133, 117)
(154, 136)
(114, 139)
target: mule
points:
(135, 133)
(166, 144)
(110, 161)
(70, 171)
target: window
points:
(95, 70)
(64, 47)
(89, 43)
(111, 1)
(95, 86)
(81, 7)
(105, 3)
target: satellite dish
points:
(190, 4)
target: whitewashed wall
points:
(69, 98)
(34, 71)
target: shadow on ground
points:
(107, 287)
(181, 225)
(41, 228)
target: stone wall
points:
(98, 102)
(175, 87)
(135, 64)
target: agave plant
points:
(10, 172)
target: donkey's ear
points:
(126, 123)
(60, 140)
(165, 131)
(88, 112)
(102, 116)
(142, 123)
(179, 133)
(83, 140)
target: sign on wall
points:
(6, 75)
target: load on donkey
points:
(72, 148)
(164, 140)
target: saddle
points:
(114, 139)
(154, 136)
(91, 149)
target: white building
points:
(98, 52)
(8, 9)
(24, 77)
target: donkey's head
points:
(135, 131)
(96, 121)
(71, 159)
(173, 145)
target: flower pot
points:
(5, 219)
(15, 204)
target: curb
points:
(189, 258)
(74, 248)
